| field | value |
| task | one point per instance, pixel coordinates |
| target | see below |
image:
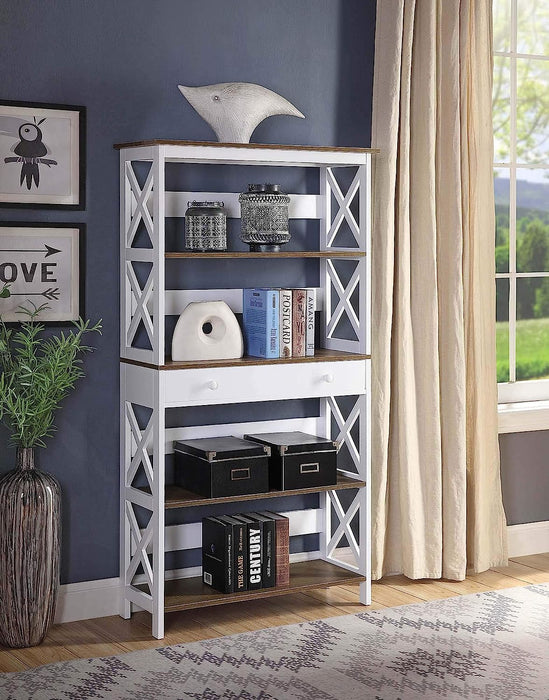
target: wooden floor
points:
(108, 636)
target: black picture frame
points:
(37, 111)
(79, 268)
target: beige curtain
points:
(436, 491)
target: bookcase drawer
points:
(264, 383)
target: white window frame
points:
(532, 396)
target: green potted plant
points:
(37, 372)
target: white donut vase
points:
(207, 330)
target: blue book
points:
(261, 321)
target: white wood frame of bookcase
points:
(150, 204)
(157, 390)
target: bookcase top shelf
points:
(269, 146)
(213, 152)
(332, 253)
(321, 355)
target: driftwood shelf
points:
(188, 593)
(320, 355)
(271, 256)
(177, 497)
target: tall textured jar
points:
(264, 217)
(30, 519)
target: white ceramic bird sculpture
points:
(233, 110)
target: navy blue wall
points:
(123, 59)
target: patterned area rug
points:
(487, 645)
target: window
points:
(521, 184)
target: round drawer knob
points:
(328, 378)
(213, 385)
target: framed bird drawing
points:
(42, 155)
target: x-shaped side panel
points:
(345, 427)
(140, 299)
(141, 197)
(344, 527)
(344, 211)
(344, 304)
(141, 542)
(141, 441)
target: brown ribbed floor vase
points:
(30, 517)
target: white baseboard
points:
(83, 601)
(530, 538)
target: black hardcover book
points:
(282, 547)
(240, 552)
(268, 563)
(217, 554)
(255, 551)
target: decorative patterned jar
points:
(264, 217)
(205, 226)
(30, 523)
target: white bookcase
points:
(150, 383)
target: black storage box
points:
(299, 460)
(222, 466)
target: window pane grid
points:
(524, 80)
(509, 275)
(527, 166)
(533, 56)
(513, 197)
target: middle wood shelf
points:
(321, 355)
(178, 497)
(332, 253)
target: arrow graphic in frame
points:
(48, 250)
(52, 293)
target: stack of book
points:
(246, 552)
(279, 322)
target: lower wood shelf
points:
(187, 593)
